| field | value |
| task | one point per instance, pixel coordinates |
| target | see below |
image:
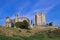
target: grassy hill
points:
(31, 34)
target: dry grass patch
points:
(21, 32)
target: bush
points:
(17, 24)
(51, 24)
(26, 24)
(12, 24)
(23, 25)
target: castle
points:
(8, 21)
(39, 19)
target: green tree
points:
(51, 24)
(12, 24)
(26, 24)
(21, 25)
(17, 24)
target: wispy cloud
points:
(46, 10)
(19, 6)
(31, 14)
(35, 8)
(19, 10)
(38, 7)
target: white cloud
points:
(19, 10)
(22, 7)
(46, 10)
(30, 14)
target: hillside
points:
(31, 34)
(17, 31)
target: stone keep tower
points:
(39, 19)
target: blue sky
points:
(27, 8)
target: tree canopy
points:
(23, 25)
(12, 24)
(51, 24)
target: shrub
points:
(51, 24)
(12, 24)
(17, 24)
(23, 25)
(26, 24)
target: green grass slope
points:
(33, 37)
(33, 34)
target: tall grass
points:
(37, 36)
